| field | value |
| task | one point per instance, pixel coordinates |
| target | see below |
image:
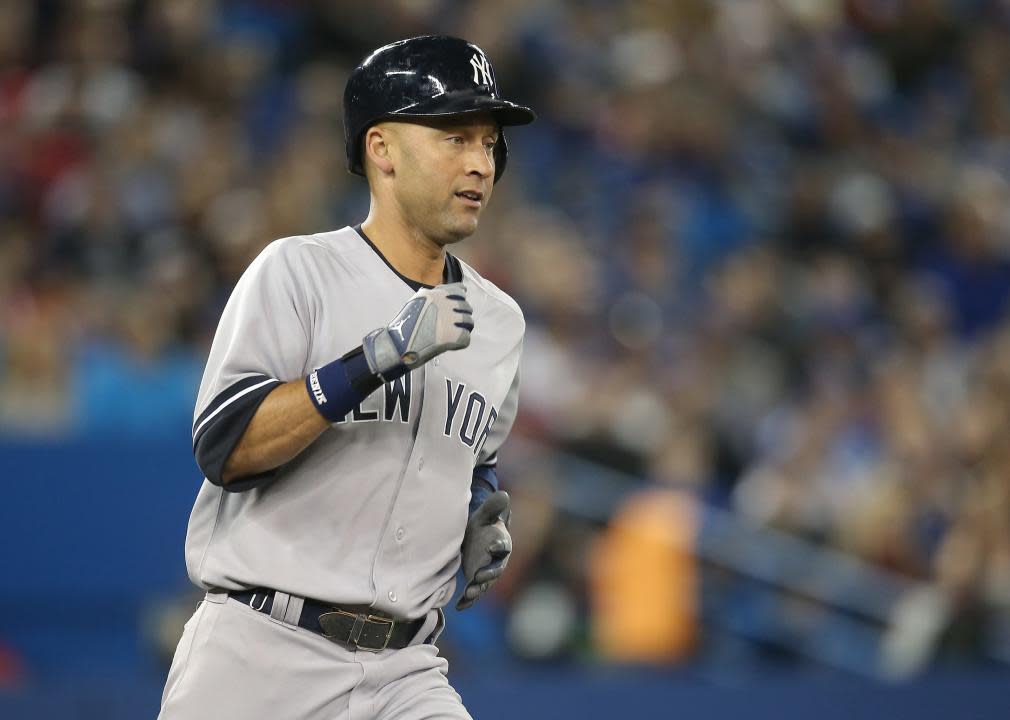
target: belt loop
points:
(294, 613)
(216, 595)
(279, 607)
(287, 609)
(439, 627)
(356, 628)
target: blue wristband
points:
(338, 387)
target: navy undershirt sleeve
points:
(222, 424)
(483, 485)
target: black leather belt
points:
(352, 627)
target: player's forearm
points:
(291, 417)
(296, 413)
(285, 423)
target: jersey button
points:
(420, 464)
(392, 596)
(399, 533)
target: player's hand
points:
(486, 548)
(433, 321)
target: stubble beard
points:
(456, 226)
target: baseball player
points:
(358, 389)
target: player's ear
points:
(377, 148)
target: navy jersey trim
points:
(227, 396)
(452, 272)
(222, 426)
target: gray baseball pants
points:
(235, 662)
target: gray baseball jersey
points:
(373, 512)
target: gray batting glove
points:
(486, 548)
(433, 321)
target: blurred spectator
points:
(773, 232)
(644, 592)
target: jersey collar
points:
(453, 271)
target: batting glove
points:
(486, 547)
(433, 321)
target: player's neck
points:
(411, 253)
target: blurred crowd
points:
(763, 246)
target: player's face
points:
(445, 174)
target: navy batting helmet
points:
(425, 76)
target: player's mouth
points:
(471, 198)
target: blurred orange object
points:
(643, 580)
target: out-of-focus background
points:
(763, 247)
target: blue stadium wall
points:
(93, 532)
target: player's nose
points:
(480, 161)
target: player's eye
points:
(490, 144)
(457, 140)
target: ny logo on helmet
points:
(482, 66)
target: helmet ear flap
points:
(501, 153)
(356, 153)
